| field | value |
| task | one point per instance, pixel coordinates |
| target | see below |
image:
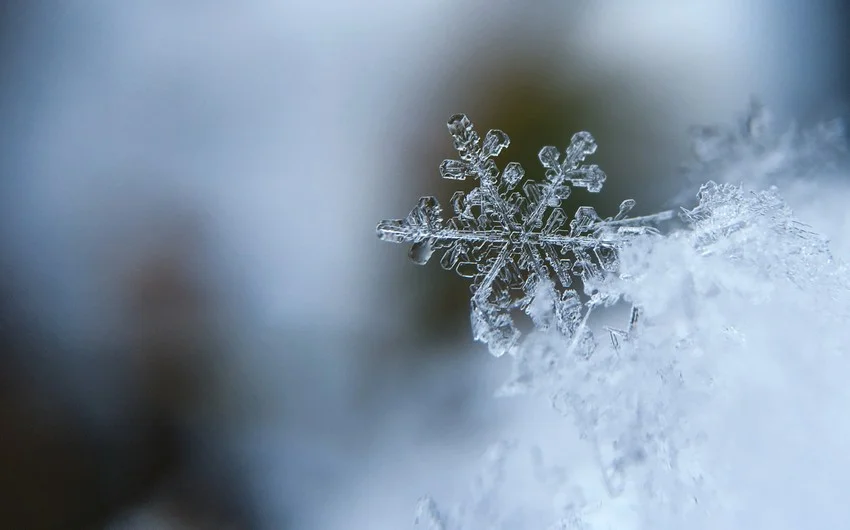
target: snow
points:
(722, 406)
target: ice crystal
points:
(688, 422)
(513, 238)
(642, 409)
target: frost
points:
(511, 240)
(731, 221)
(710, 296)
(732, 359)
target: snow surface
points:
(724, 407)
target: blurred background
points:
(199, 327)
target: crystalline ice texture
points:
(509, 238)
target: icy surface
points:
(512, 237)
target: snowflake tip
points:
(423, 222)
(592, 178)
(393, 230)
(461, 129)
(453, 169)
(548, 157)
(426, 213)
(512, 174)
(494, 142)
(582, 145)
(625, 207)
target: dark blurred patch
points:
(62, 471)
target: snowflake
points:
(514, 241)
